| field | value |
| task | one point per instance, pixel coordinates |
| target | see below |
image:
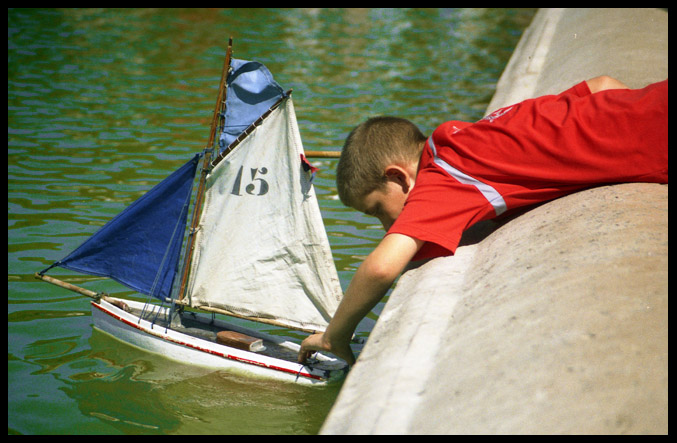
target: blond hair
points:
(369, 149)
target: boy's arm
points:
(604, 82)
(371, 282)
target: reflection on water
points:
(103, 104)
(187, 399)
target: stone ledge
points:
(557, 321)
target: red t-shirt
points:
(532, 152)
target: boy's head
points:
(378, 154)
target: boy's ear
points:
(399, 176)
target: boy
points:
(427, 191)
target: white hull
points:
(177, 345)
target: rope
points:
(158, 274)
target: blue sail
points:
(251, 92)
(140, 247)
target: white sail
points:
(261, 248)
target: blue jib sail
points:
(140, 247)
(251, 92)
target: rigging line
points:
(56, 263)
(184, 209)
(165, 257)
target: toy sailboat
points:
(255, 248)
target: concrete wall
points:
(557, 321)
(561, 47)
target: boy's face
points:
(386, 204)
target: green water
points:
(103, 104)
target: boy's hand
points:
(371, 282)
(318, 342)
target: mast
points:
(218, 114)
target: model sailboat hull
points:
(196, 343)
